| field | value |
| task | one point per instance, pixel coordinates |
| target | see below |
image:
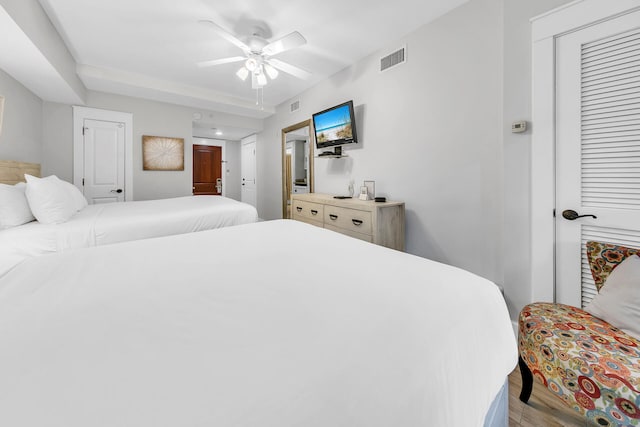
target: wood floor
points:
(543, 409)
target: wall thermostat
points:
(518, 127)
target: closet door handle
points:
(572, 215)
(298, 208)
(333, 217)
(314, 212)
(356, 222)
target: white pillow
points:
(79, 201)
(14, 208)
(50, 199)
(619, 299)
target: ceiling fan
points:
(258, 55)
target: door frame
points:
(285, 131)
(212, 142)
(545, 29)
(79, 115)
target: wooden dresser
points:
(379, 223)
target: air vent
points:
(295, 106)
(393, 59)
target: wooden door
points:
(597, 148)
(207, 170)
(103, 179)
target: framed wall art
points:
(160, 153)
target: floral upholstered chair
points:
(586, 362)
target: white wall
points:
(57, 147)
(430, 135)
(149, 118)
(21, 137)
(517, 154)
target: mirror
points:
(297, 163)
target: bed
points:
(275, 323)
(110, 223)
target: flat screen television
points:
(335, 126)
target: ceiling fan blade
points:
(289, 69)
(226, 35)
(290, 41)
(220, 61)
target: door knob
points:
(571, 215)
(119, 190)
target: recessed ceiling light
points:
(218, 132)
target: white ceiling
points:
(20, 57)
(149, 48)
(204, 129)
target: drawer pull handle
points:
(298, 208)
(333, 217)
(314, 212)
(356, 222)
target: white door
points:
(103, 154)
(597, 147)
(248, 167)
(103, 161)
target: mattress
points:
(276, 323)
(104, 224)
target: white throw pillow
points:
(618, 302)
(50, 199)
(14, 208)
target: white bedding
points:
(269, 324)
(120, 222)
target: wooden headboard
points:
(12, 172)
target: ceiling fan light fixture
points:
(261, 79)
(242, 73)
(251, 64)
(271, 72)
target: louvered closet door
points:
(597, 147)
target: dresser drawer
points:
(348, 219)
(308, 221)
(309, 210)
(365, 237)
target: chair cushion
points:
(587, 363)
(604, 257)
